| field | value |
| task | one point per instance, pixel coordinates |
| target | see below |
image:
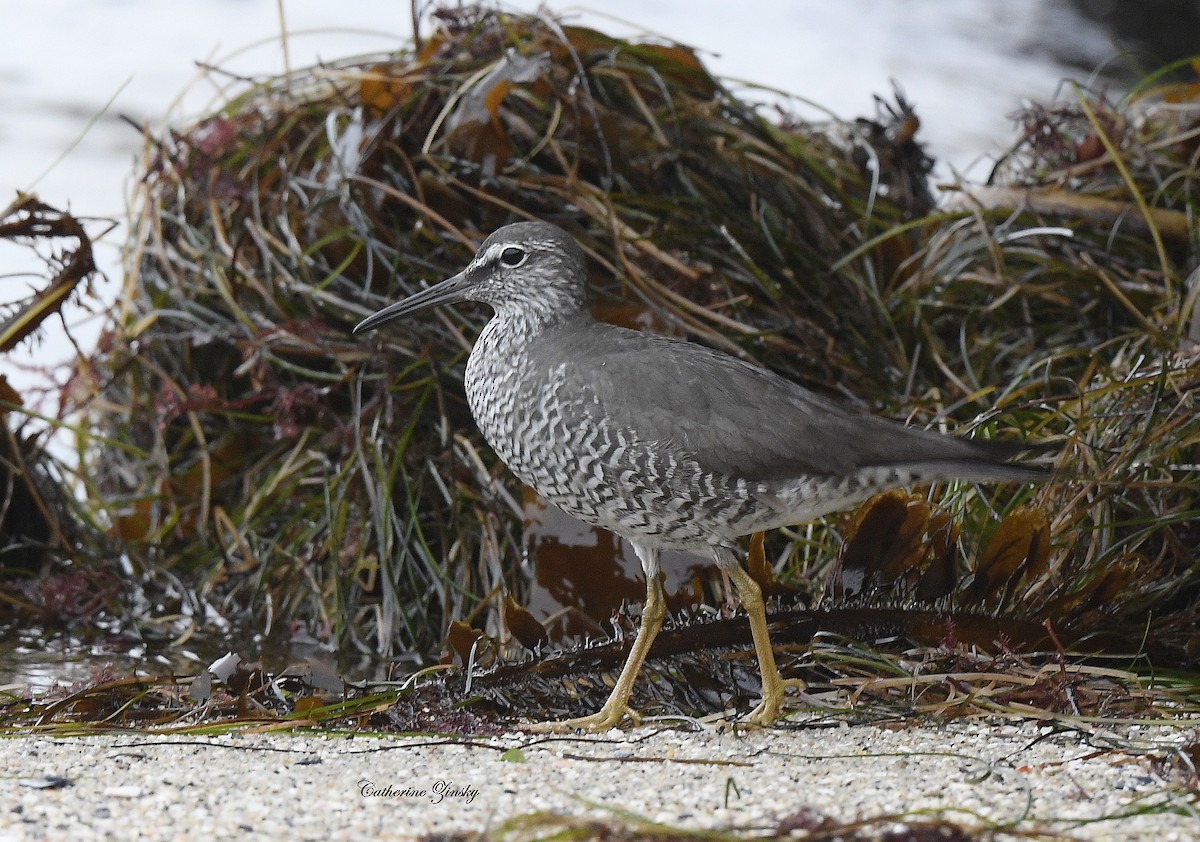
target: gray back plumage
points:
(742, 420)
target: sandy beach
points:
(1118, 784)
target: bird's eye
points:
(512, 257)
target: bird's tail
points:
(979, 460)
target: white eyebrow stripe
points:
(480, 259)
(493, 253)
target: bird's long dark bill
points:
(448, 291)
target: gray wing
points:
(742, 420)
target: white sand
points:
(270, 786)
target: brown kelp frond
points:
(41, 519)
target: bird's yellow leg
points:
(774, 686)
(617, 707)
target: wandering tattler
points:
(666, 442)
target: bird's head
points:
(532, 269)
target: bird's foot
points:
(609, 716)
(774, 693)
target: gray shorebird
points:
(667, 443)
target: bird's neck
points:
(523, 321)
(506, 342)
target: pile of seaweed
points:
(263, 465)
